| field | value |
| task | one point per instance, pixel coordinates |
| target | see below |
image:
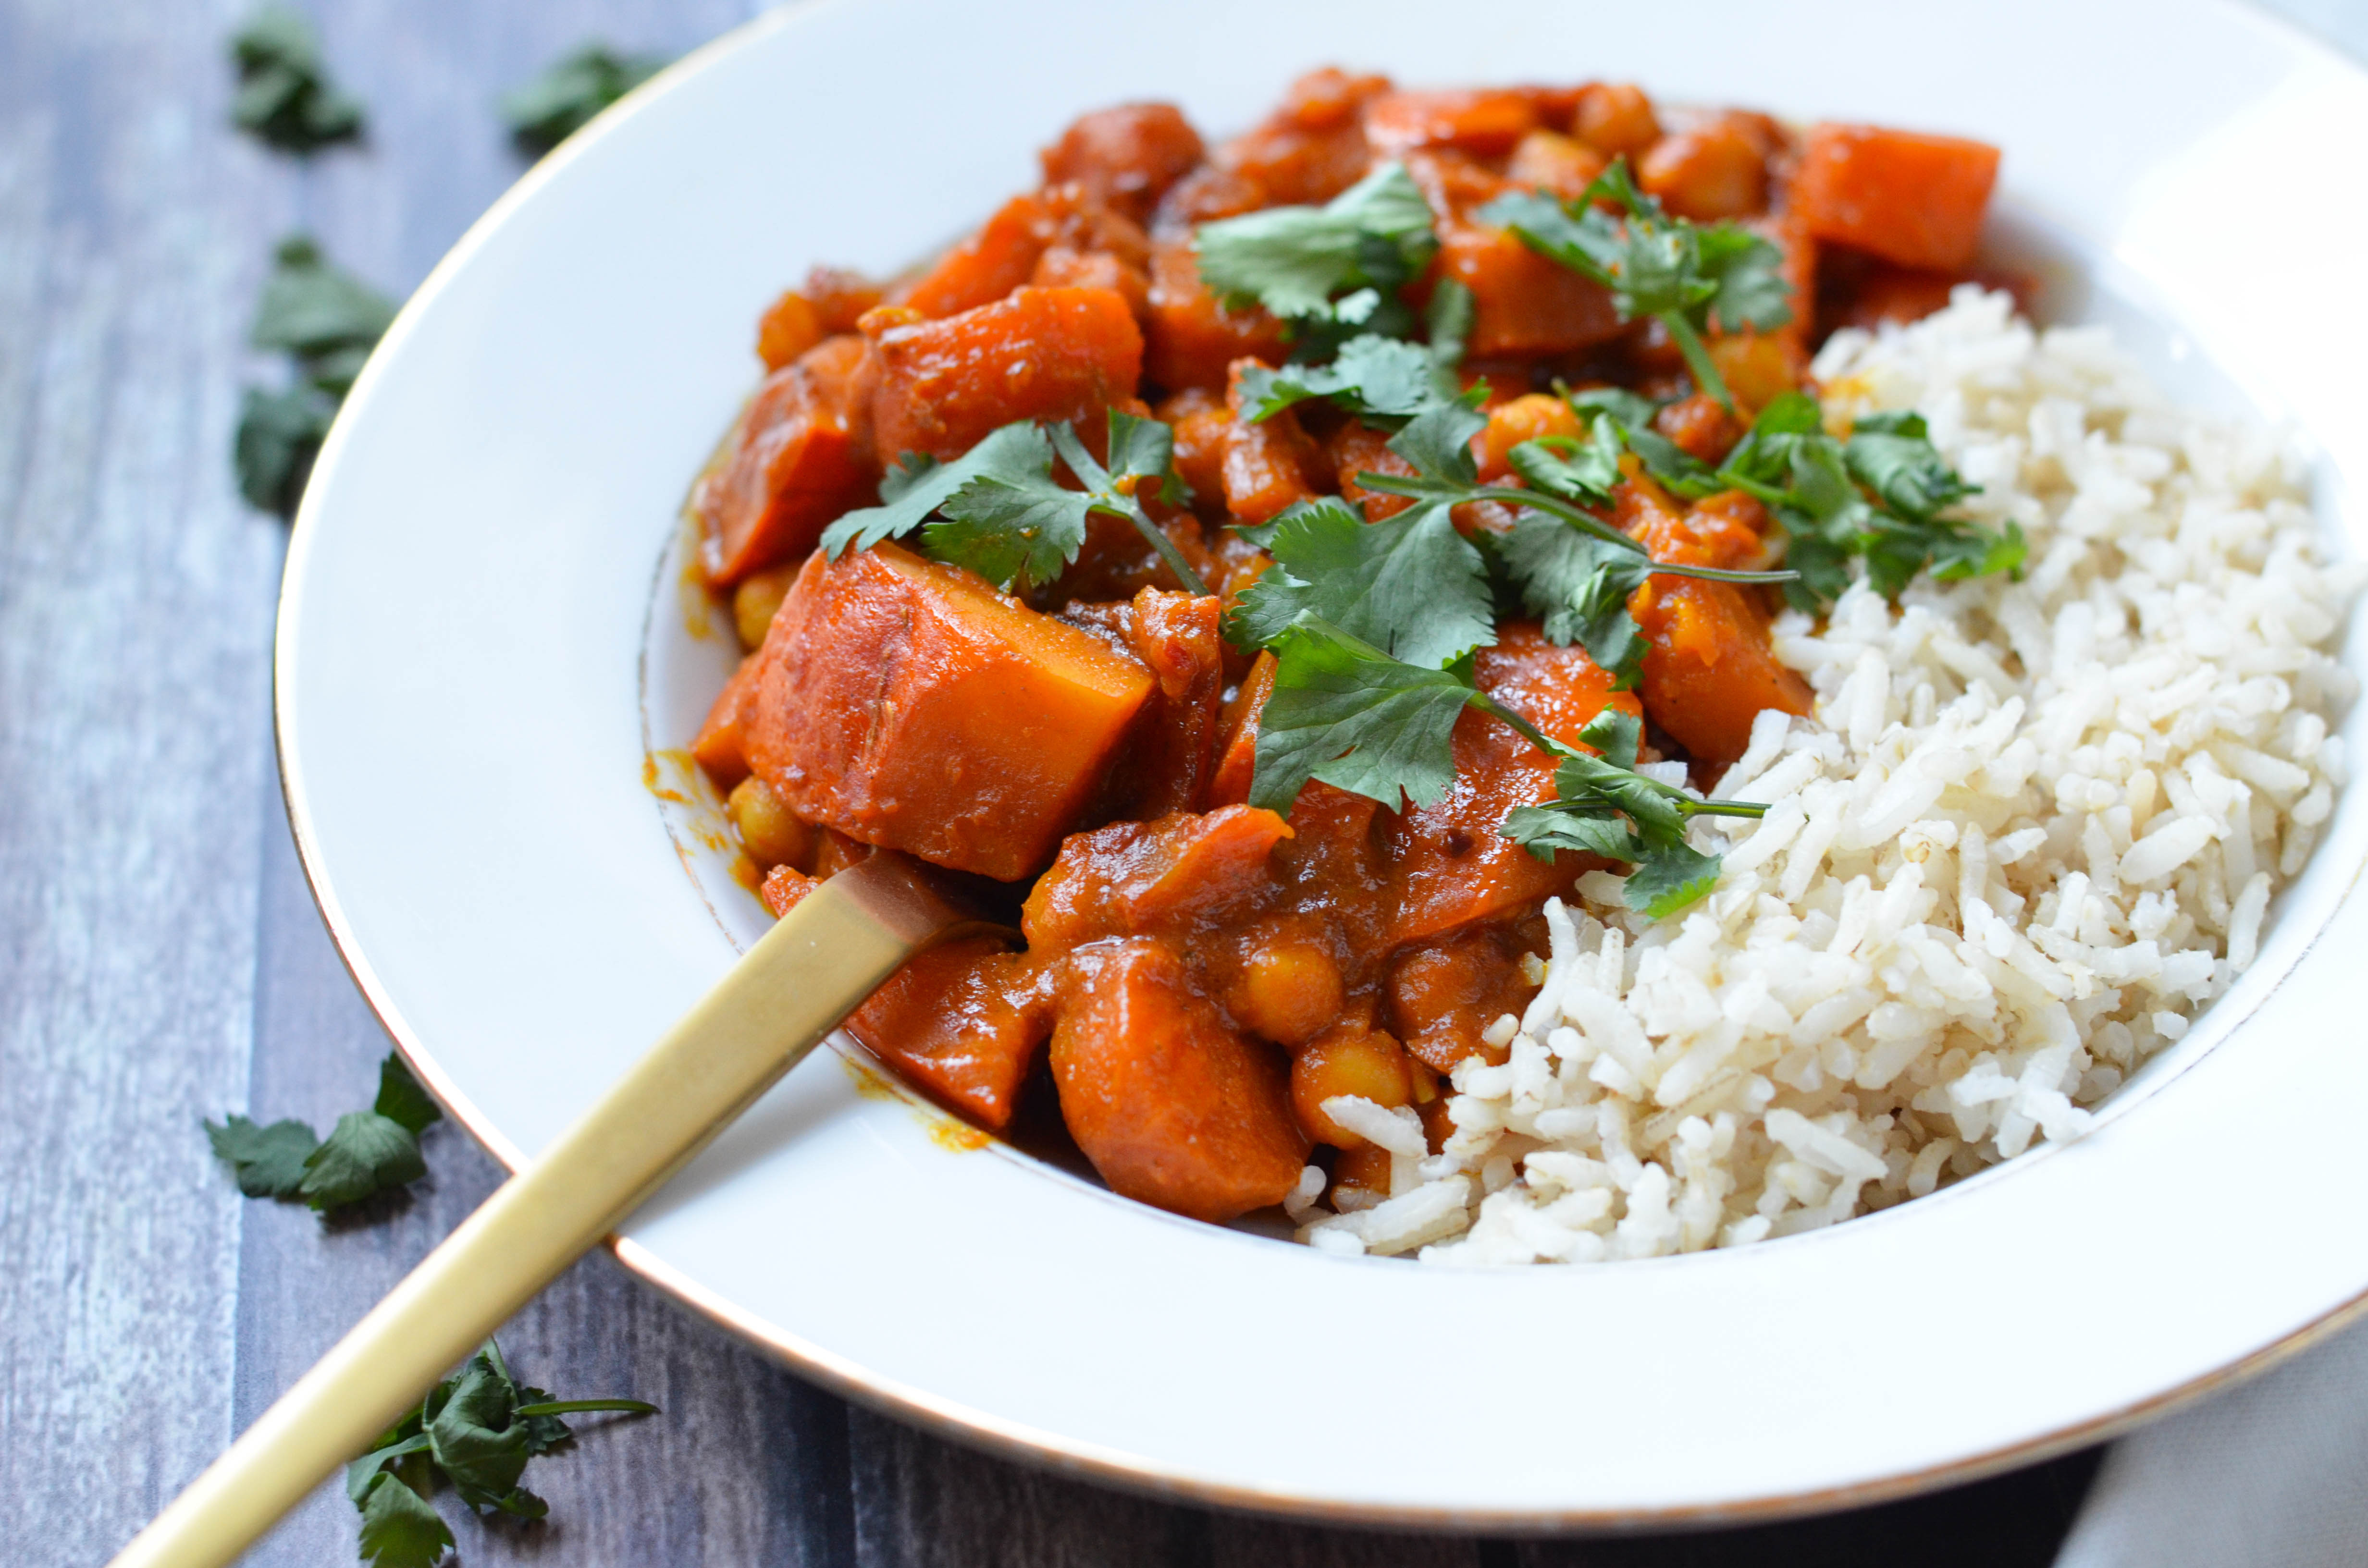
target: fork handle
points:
(789, 990)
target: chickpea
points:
(1716, 170)
(1290, 991)
(767, 831)
(1525, 418)
(1701, 427)
(1759, 368)
(758, 599)
(1560, 164)
(1615, 117)
(788, 330)
(1349, 1061)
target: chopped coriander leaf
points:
(1409, 584)
(1329, 267)
(284, 95)
(368, 1152)
(314, 308)
(1579, 586)
(1382, 380)
(279, 434)
(1006, 517)
(560, 101)
(1584, 472)
(1629, 408)
(1344, 712)
(364, 1154)
(1446, 321)
(1594, 793)
(327, 320)
(475, 1430)
(268, 1162)
(1689, 276)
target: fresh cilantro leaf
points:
(1381, 380)
(1689, 277)
(314, 310)
(1438, 442)
(1344, 712)
(279, 436)
(284, 93)
(400, 1528)
(560, 101)
(1578, 584)
(478, 1444)
(402, 1100)
(1006, 517)
(1446, 321)
(1594, 793)
(1631, 409)
(365, 1153)
(1339, 264)
(268, 1162)
(1409, 584)
(1584, 471)
(1893, 455)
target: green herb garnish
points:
(284, 93)
(1333, 271)
(1605, 807)
(327, 320)
(368, 1152)
(557, 104)
(1686, 275)
(1004, 518)
(475, 1431)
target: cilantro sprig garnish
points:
(474, 1432)
(285, 97)
(1333, 271)
(1877, 494)
(1603, 806)
(547, 110)
(368, 1152)
(1000, 513)
(327, 320)
(1383, 380)
(1687, 276)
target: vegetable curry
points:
(1284, 566)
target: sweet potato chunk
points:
(962, 1023)
(1136, 876)
(1485, 122)
(1237, 736)
(801, 456)
(988, 265)
(908, 704)
(1453, 867)
(1270, 464)
(1713, 170)
(1911, 198)
(1174, 1107)
(1523, 303)
(1710, 670)
(1190, 338)
(1165, 763)
(1127, 156)
(721, 746)
(1038, 354)
(1444, 993)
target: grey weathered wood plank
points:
(134, 605)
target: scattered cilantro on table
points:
(368, 1152)
(1001, 513)
(1686, 275)
(474, 1432)
(555, 105)
(284, 95)
(327, 320)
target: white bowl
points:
(464, 713)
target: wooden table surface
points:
(161, 959)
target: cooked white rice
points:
(2033, 828)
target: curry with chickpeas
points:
(1284, 566)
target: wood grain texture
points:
(160, 957)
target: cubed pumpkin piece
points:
(1190, 339)
(1523, 303)
(1127, 156)
(1174, 1107)
(990, 264)
(1487, 122)
(1038, 354)
(962, 1023)
(802, 455)
(907, 704)
(1908, 197)
(1136, 876)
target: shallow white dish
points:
(470, 626)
